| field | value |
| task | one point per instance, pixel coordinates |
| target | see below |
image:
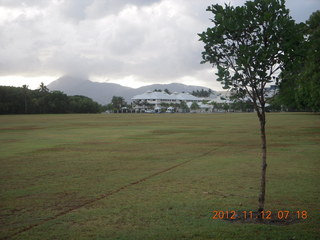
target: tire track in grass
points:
(106, 195)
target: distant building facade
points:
(160, 101)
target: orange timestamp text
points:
(272, 215)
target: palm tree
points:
(43, 88)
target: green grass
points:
(57, 169)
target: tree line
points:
(300, 86)
(202, 93)
(21, 100)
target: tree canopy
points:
(300, 88)
(194, 106)
(202, 93)
(17, 100)
(250, 44)
(117, 103)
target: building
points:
(161, 101)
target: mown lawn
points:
(157, 176)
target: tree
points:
(202, 93)
(17, 100)
(194, 106)
(25, 92)
(14, 100)
(56, 102)
(311, 70)
(250, 45)
(167, 91)
(164, 105)
(300, 89)
(82, 104)
(43, 88)
(184, 107)
(118, 103)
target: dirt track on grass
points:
(106, 195)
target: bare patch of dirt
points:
(65, 201)
(22, 128)
(96, 143)
(9, 140)
(62, 149)
(165, 132)
(278, 145)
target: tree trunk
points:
(262, 193)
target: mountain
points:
(103, 92)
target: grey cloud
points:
(76, 9)
(19, 3)
(155, 41)
(82, 9)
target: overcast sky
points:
(130, 42)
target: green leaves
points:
(307, 78)
(249, 44)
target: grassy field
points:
(123, 176)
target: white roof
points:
(165, 96)
(187, 97)
(153, 95)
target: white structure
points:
(164, 102)
(157, 100)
